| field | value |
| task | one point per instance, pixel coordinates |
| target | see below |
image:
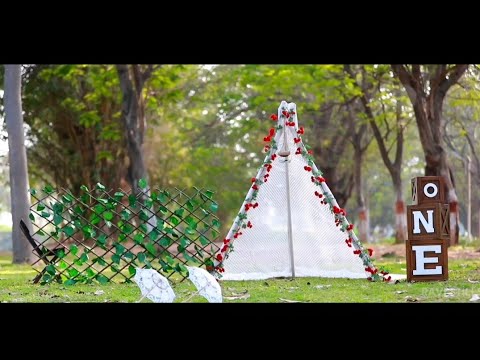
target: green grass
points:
(16, 286)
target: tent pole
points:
(285, 152)
(289, 212)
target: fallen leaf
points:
(475, 298)
(322, 286)
(473, 281)
(289, 301)
(99, 292)
(237, 297)
(410, 299)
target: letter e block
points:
(430, 221)
(428, 190)
(427, 260)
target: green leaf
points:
(102, 240)
(84, 188)
(216, 223)
(72, 272)
(138, 238)
(179, 212)
(209, 193)
(119, 195)
(100, 186)
(48, 189)
(108, 215)
(214, 207)
(90, 272)
(189, 205)
(125, 214)
(132, 201)
(70, 282)
(129, 255)
(67, 198)
(191, 222)
(95, 219)
(33, 192)
(184, 242)
(99, 208)
(143, 215)
(40, 206)
(102, 279)
(214, 233)
(40, 233)
(142, 183)
(31, 217)
(204, 241)
(84, 257)
(141, 257)
(115, 258)
(148, 203)
(175, 221)
(132, 270)
(169, 259)
(151, 248)
(101, 261)
(57, 219)
(51, 269)
(160, 224)
(119, 249)
(45, 214)
(162, 198)
(69, 230)
(190, 231)
(199, 251)
(165, 241)
(153, 234)
(74, 249)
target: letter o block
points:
(428, 190)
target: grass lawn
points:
(464, 281)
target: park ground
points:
(463, 285)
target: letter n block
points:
(428, 190)
(427, 260)
(428, 221)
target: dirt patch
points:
(398, 250)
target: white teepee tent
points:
(290, 224)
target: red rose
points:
(297, 140)
(219, 257)
(274, 117)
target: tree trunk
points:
(394, 167)
(427, 107)
(20, 198)
(133, 119)
(363, 228)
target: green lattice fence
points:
(107, 234)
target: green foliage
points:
(105, 238)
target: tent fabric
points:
(322, 243)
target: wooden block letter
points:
(430, 221)
(428, 190)
(427, 260)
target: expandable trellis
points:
(106, 234)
